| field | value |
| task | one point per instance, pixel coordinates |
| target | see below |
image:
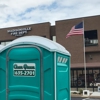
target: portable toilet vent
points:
(34, 68)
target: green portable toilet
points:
(34, 68)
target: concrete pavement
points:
(93, 95)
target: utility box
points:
(34, 68)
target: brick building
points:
(74, 44)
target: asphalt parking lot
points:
(90, 99)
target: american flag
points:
(76, 30)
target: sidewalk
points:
(95, 95)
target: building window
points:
(91, 38)
(78, 78)
(44, 36)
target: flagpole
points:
(84, 58)
(75, 31)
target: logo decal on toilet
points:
(24, 69)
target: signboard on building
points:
(20, 31)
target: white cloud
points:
(22, 12)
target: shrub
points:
(80, 91)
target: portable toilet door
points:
(26, 61)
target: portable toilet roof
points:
(1, 47)
(39, 41)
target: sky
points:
(24, 12)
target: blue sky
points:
(24, 12)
